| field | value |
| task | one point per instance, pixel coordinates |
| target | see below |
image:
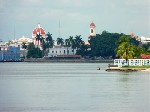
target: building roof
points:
(92, 24)
(39, 30)
(145, 56)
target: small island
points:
(129, 68)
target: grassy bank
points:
(136, 67)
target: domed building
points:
(38, 30)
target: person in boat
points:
(98, 68)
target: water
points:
(71, 87)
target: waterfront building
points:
(9, 53)
(62, 52)
(132, 62)
(59, 50)
(40, 31)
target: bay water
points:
(71, 87)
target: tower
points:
(92, 29)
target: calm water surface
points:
(71, 87)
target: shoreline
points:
(129, 69)
(69, 61)
(63, 61)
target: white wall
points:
(60, 51)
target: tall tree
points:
(38, 38)
(125, 50)
(33, 52)
(73, 43)
(78, 41)
(60, 41)
(24, 46)
(67, 44)
(49, 40)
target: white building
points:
(18, 42)
(59, 51)
(132, 62)
(92, 32)
(145, 40)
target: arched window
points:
(91, 30)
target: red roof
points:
(39, 30)
(92, 24)
(145, 56)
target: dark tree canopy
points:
(104, 44)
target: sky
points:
(74, 16)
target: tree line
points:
(104, 45)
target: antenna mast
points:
(59, 29)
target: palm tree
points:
(72, 42)
(49, 40)
(60, 41)
(123, 38)
(67, 44)
(24, 46)
(125, 49)
(38, 38)
(78, 41)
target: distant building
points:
(23, 39)
(145, 40)
(59, 50)
(145, 56)
(38, 30)
(9, 53)
(18, 42)
(92, 30)
(62, 52)
(132, 62)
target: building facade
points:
(145, 40)
(9, 53)
(59, 50)
(132, 62)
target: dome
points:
(92, 24)
(38, 30)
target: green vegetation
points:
(146, 47)
(128, 48)
(34, 52)
(106, 45)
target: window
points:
(91, 30)
(64, 51)
(52, 51)
(56, 52)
